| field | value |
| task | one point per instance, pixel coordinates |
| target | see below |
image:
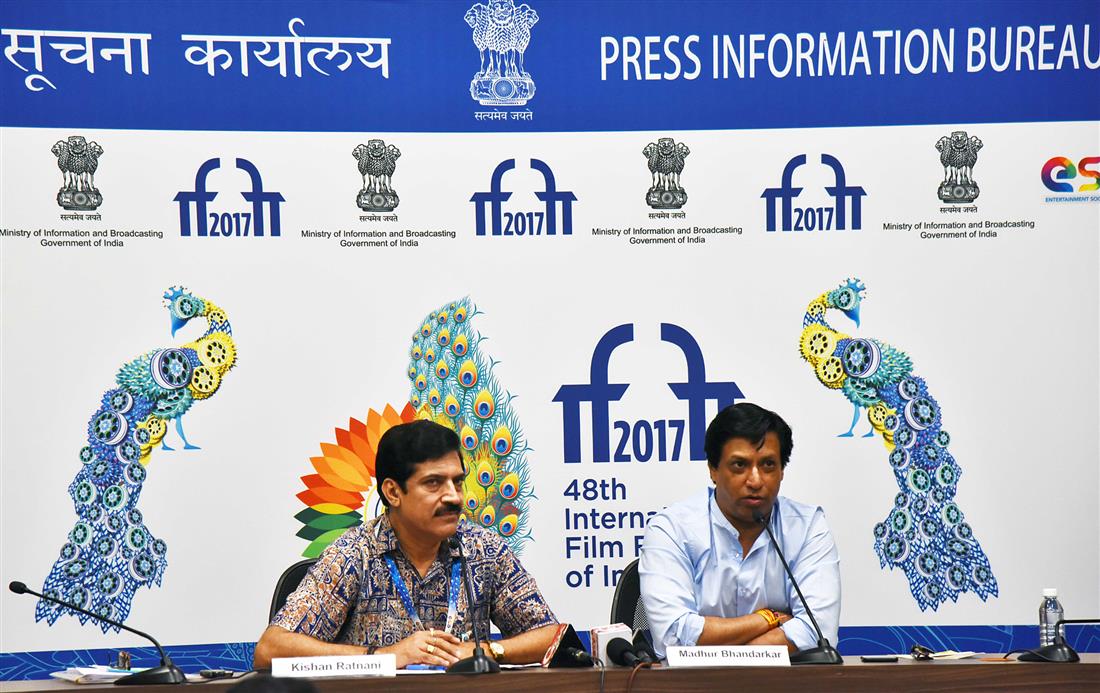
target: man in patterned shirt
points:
(392, 585)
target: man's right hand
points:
(433, 647)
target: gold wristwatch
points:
(497, 650)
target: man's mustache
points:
(449, 509)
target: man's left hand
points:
(466, 649)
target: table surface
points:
(905, 675)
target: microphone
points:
(824, 653)
(479, 663)
(1059, 650)
(167, 672)
(642, 645)
(566, 650)
(578, 655)
(621, 652)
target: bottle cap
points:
(1050, 592)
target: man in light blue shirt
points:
(709, 574)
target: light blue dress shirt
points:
(691, 567)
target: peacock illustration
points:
(452, 384)
(925, 534)
(110, 552)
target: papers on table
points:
(946, 654)
(93, 674)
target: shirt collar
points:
(386, 539)
(719, 523)
(384, 536)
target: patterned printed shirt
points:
(350, 597)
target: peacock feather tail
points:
(925, 534)
(453, 384)
(110, 551)
(344, 481)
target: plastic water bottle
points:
(1050, 612)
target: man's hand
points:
(743, 630)
(434, 647)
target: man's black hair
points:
(407, 445)
(748, 421)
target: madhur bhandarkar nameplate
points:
(729, 656)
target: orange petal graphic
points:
(315, 496)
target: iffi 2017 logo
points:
(501, 34)
(523, 222)
(257, 220)
(835, 217)
(643, 440)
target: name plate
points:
(729, 656)
(339, 665)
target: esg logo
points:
(663, 438)
(1062, 168)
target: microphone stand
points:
(167, 672)
(824, 653)
(479, 662)
(1059, 650)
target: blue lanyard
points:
(406, 599)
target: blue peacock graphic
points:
(110, 552)
(925, 534)
(452, 384)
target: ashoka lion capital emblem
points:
(958, 154)
(666, 163)
(78, 160)
(501, 33)
(377, 162)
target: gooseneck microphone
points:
(167, 672)
(824, 653)
(1059, 650)
(479, 663)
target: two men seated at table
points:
(392, 585)
(709, 574)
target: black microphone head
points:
(454, 542)
(17, 587)
(617, 651)
(579, 655)
(757, 516)
(642, 647)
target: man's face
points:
(747, 478)
(432, 501)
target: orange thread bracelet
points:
(769, 616)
